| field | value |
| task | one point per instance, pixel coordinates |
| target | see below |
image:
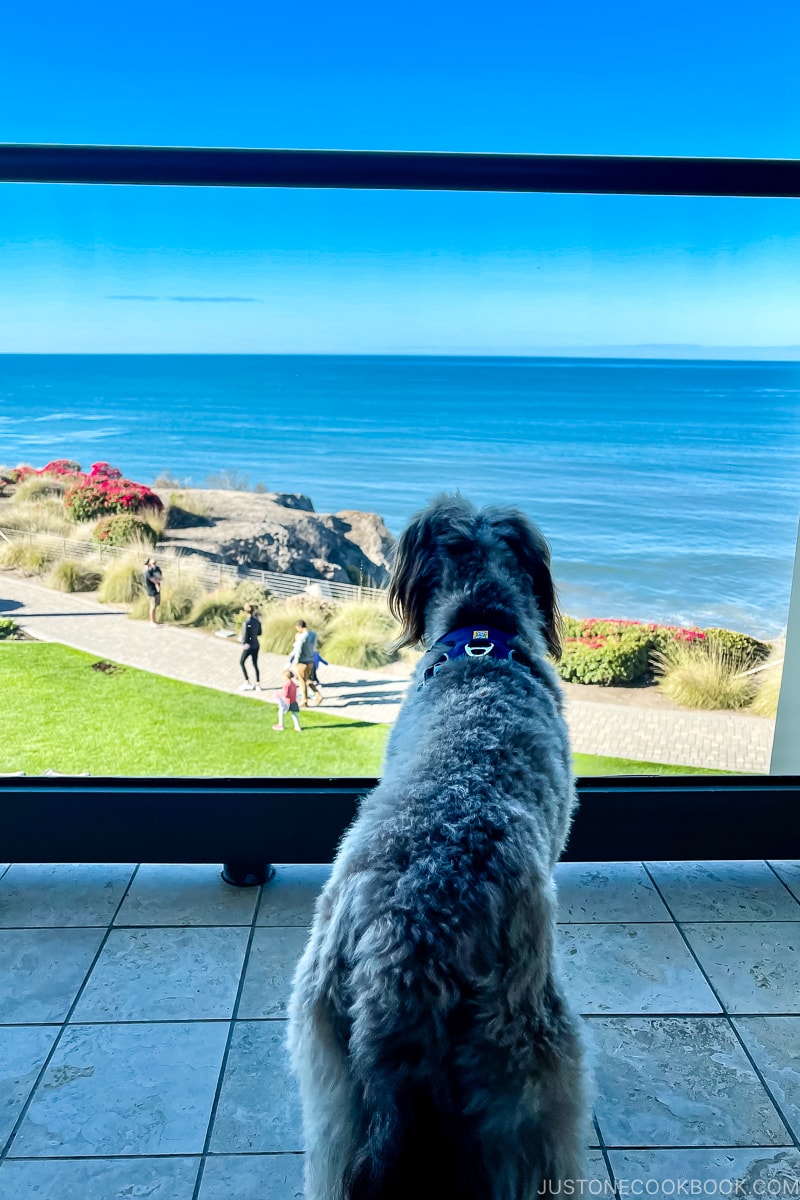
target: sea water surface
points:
(670, 490)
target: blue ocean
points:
(669, 490)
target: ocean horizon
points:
(669, 488)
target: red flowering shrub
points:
(17, 474)
(607, 657)
(616, 651)
(61, 466)
(104, 470)
(102, 496)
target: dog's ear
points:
(531, 552)
(415, 572)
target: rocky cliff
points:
(281, 532)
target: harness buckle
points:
(478, 651)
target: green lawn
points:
(57, 713)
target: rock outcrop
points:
(281, 532)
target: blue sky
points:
(250, 271)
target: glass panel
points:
(276, 364)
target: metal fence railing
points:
(211, 574)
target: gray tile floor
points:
(142, 1026)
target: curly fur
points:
(436, 1054)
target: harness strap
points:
(470, 642)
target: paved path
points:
(716, 740)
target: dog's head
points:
(475, 565)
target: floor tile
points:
(789, 871)
(23, 1050)
(774, 1043)
(165, 974)
(259, 1108)
(289, 899)
(631, 969)
(754, 966)
(746, 1172)
(100, 1179)
(252, 1177)
(58, 894)
(667, 1081)
(607, 892)
(724, 891)
(596, 1171)
(270, 969)
(185, 894)
(125, 1089)
(41, 971)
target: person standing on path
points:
(303, 651)
(152, 585)
(251, 632)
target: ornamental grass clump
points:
(39, 485)
(768, 684)
(703, 675)
(363, 636)
(69, 576)
(122, 583)
(29, 557)
(177, 601)
(8, 628)
(45, 515)
(279, 620)
(215, 610)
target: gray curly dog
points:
(436, 1054)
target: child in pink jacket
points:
(286, 700)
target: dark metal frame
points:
(247, 823)
(240, 821)
(204, 167)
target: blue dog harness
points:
(470, 642)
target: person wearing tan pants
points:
(305, 644)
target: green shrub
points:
(69, 576)
(8, 628)
(123, 529)
(610, 659)
(216, 610)
(249, 592)
(122, 583)
(28, 557)
(703, 675)
(739, 647)
(177, 601)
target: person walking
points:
(286, 699)
(251, 632)
(303, 651)
(152, 585)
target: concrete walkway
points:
(714, 740)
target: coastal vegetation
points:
(99, 515)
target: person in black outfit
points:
(251, 631)
(152, 585)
